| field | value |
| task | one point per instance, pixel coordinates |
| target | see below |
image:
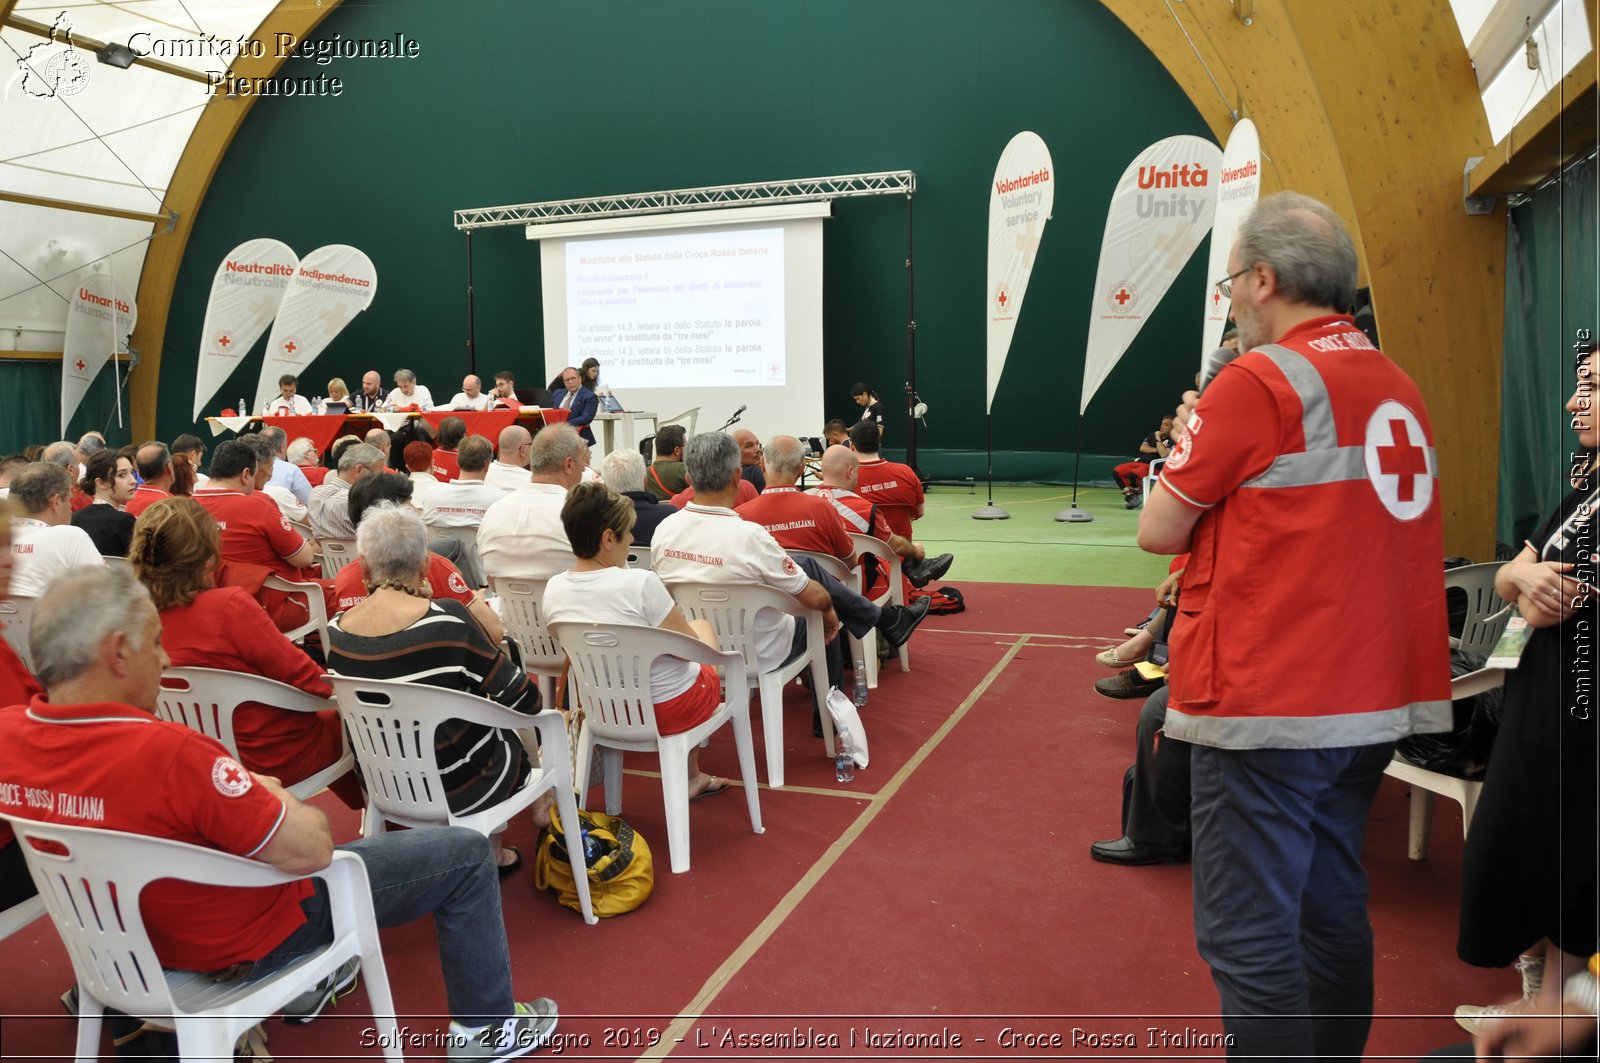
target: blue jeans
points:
(447, 872)
(1280, 894)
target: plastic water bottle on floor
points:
(861, 679)
(594, 849)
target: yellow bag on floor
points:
(621, 874)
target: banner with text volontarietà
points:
(245, 294)
(1238, 187)
(1020, 201)
(331, 286)
(100, 316)
(1161, 209)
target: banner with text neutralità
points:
(1020, 201)
(245, 294)
(331, 286)
(1238, 187)
(100, 317)
(1161, 209)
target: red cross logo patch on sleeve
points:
(1398, 465)
(230, 778)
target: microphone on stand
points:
(734, 419)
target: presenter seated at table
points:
(370, 398)
(602, 589)
(504, 395)
(407, 393)
(579, 400)
(338, 391)
(470, 397)
(588, 376)
(177, 551)
(108, 479)
(403, 634)
(288, 402)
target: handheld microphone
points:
(1213, 363)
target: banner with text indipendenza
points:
(331, 286)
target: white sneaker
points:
(529, 1028)
(1471, 1017)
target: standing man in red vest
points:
(1311, 629)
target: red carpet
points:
(946, 893)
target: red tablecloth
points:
(323, 430)
(320, 430)
(489, 425)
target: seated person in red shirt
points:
(444, 578)
(747, 492)
(797, 520)
(176, 550)
(446, 465)
(839, 472)
(97, 638)
(108, 480)
(17, 687)
(893, 487)
(158, 474)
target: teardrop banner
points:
(331, 286)
(1161, 209)
(1238, 188)
(1020, 202)
(245, 294)
(99, 319)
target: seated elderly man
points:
(96, 643)
(44, 544)
(799, 521)
(522, 535)
(705, 542)
(408, 393)
(462, 502)
(839, 471)
(330, 511)
(153, 462)
(285, 473)
(302, 452)
(65, 454)
(751, 464)
(623, 471)
(509, 470)
(379, 440)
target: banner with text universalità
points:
(1021, 198)
(245, 294)
(330, 287)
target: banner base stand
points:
(990, 512)
(1074, 515)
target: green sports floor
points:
(1032, 547)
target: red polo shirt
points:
(896, 491)
(848, 503)
(799, 521)
(446, 465)
(119, 768)
(747, 492)
(314, 473)
(254, 530)
(445, 579)
(143, 496)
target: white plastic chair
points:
(392, 726)
(611, 671)
(731, 611)
(471, 564)
(336, 553)
(863, 649)
(522, 613)
(91, 884)
(15, 616)
(205, 699)
(1485, 621)
(20, 915)
(638, 556)
(894, 594)
(315, 605)
(1152, 476)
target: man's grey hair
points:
(553, 446)
(404, 376)
(393, 541)
(91, 444)
(276, 436)
(301, 450)
(358, 454)
(62, 453)
(1307, 246)
(78, 612)
(264, 449)
(34, 483)
(785, 455)
(712, 461)
(623, 471)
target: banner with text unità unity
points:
(331, 286)
(245, 294)
(1238, 187)
(1160, 211)
(100, 316)
(1020, 202)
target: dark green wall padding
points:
(515, 102)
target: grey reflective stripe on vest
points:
(1308, 732)
(1323, 461)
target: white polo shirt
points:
(711, 544)
(422, 485)
(459, 503)
(298, 405)
(522, 535)
(44, 551)
(461, 402)
(420, 397)
(506, 477)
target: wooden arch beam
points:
(1372, 107)
(191, 180)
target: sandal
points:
(1109, 659)
(514, 866)
(713, 788)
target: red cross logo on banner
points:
(1397, 460)
(290, 347)
(1122, 297)
(79, 364)
(1002, 298)
(224, 341)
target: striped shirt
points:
(445, 647)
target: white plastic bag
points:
(847, 729)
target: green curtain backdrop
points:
(32, 393)
(514, 102)
(1552, 291)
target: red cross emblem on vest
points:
(1397, 462)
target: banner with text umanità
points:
(100, 317)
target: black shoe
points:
(899, 621)
(1129, 684)
(1131, 853)
(1133, 501)
(925, 571)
